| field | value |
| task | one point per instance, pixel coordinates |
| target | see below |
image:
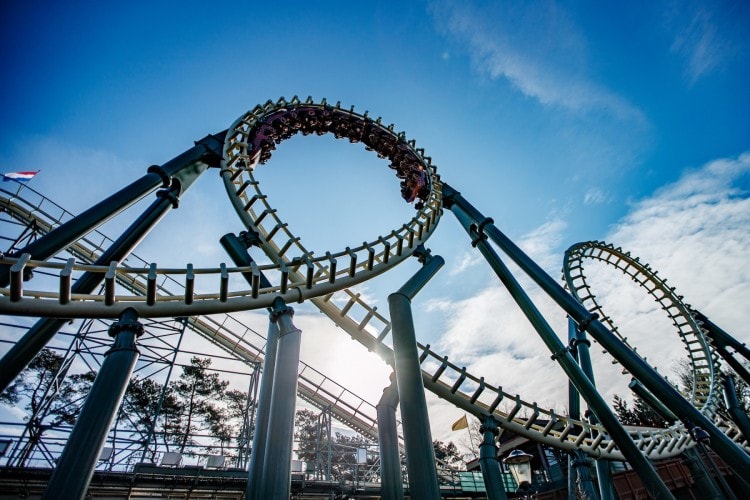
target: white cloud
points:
(541, 243)
(536, 47)
(695, 232)
(465, 261)
(489, 334)
(595, 196)
(701, 38)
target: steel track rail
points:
(326, 279)
(704, 361)
(225, 331)
(250, 141)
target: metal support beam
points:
(488, 464)
(585, 487)
(739, 417)
(392, 483)
(236, 247)
(22, 353)
(77, 462)
(260, 438)
(185, 167)
(706, 486)
(420, 455)
(277, 462)
(732, 454)
(580, 345)
(643, 467)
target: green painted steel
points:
(260, 438)
(276, 482)
(585, 484)
(237, 250)
(488, 464)
(185, 167)
(732, 454)
(739, 417)
(580, 344)
(703, 481)
(420, 457)
(722, 340)
(76, 464)
(392, 483)
(28, 346)
(475, 225)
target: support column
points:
(729, 451)
(734, 409)
(420, 455)
(643, 467)
(277, 463)
(392, 484)
(722, 341)
(22, 353)
(77, 462)
(236, 247)
(701, 438)
(580, 345)
(574, 410)
(585, 487)
(706, 486)
(260, 436)
(488, 464)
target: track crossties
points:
(251, 141)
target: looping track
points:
(704, 361)
(251, 139)
(299, 274)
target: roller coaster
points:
(59, 267)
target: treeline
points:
(193, 412)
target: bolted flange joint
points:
(489, 425)
(574, 342)
(423, 255)
(172, 194)
(249, 238)
(128, 322)
(586, 322)
(156, 169)
(280, 309)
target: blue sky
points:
(563, 121)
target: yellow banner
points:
(461, 423)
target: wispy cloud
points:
(464, 262)
(595, 196)
(695, 232)
(703, 37)
(536, 47)
(542, 242)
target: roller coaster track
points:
(300, 275)
(224, 330)
(703, 358)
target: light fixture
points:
(519, 463)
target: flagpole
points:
(474, 446)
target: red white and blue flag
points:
(19, 176)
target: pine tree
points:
(641, 414)
(197, 393)
(447, 453)
(50, 398)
